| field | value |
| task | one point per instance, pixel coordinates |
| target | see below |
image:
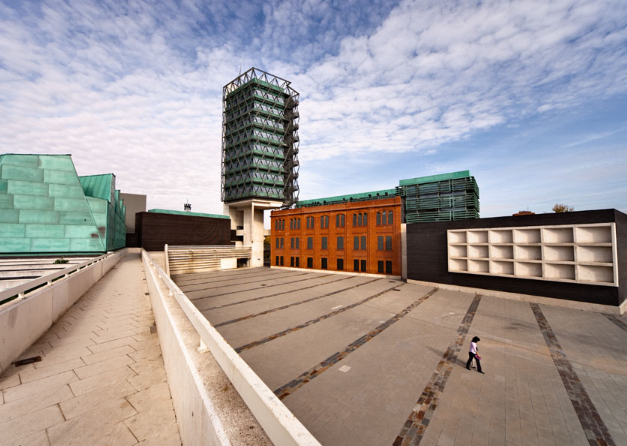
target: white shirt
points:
(473, 347)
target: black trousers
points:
(472, 356)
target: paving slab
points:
(361, 375)
(101, 380)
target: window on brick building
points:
(309, 262)
(323, 263)
(356, 243)
(380, 243)
(380, 266)
(340, 243)
(298, 262)
(388, 242)
(340, 264)
(324, 243)
(363, 266)
(363, 242)
(356, 265)
(309, 242)
(388, 267)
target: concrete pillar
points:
(249, 214)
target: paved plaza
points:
(364, 360)
(101, 380)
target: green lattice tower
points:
(260, 139)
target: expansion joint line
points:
(593, 426)
(272, 310)
(239, 302)
(193, 280)
(620, 324)
(251, 289)
(416, 425)
(312, 321)
(291, 387)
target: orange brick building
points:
(360, 237)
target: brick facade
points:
(303, 234)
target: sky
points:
(529, 95)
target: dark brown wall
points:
(427, 258)
(155, 230)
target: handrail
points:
(22, 290)
(277, 420)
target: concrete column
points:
(404, 251)
(249, 214)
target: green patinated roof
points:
(435, 178)
(188, 214)
(97, 186)
(389, 192)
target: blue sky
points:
(529, 95)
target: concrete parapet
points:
(27, 318)
(200, 416)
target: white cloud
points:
(135, 87)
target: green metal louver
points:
(260, 139)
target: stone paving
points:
(101, 380)
(371, 361)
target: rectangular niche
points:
(501, 252)
(458, 265)
(477, 236)
(478, 252)
(559, 271)
(583, 253)
(559, 253)
(501, 236)
(527, 235)
(458, 251)
(457, 237)
(595, 274)
(595, 254)
(478, 266)
(527, 252)
(501, 268)
(525, 269)
(594, 234)
(558, 235)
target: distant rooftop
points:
(378, 194)
(189, 214)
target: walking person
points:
(473, 354)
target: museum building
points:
(362, 237)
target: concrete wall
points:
(134, 203)
(427, 258)
(200, 414)
(25, 320)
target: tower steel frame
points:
(260, 142)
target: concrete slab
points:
(81, 391)
(367, 368)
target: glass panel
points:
(363, 242)
(388, 243)
(384, 218)
(380, 242)
(378, 218)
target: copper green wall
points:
(43, 208)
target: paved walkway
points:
(101, 380)
(372, 361)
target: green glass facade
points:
(260, 139)
(46, 208)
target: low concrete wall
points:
(199, 415)
(26, 319)
(197, 419)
